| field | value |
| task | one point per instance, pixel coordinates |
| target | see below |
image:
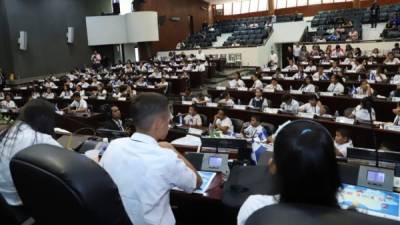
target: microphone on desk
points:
(367, 103)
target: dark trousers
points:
(374, 21)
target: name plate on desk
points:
(219, 88)
(327, 71)
(395, 99)
(325, 63)
(306, 115)
(267, 78)
(246, 77)
(344, 120)
(6, 89)
(242, 89)
(67, 97)
(23, 88)
(151, 86)
(122, 99)
(269, 90)
(101, 97)
(296, 92)
(285, 70)
(316, 57)
(1, 98)
(392, 127)
(288, 78)
(17, 97)
(371, 81)
(304, 63)
(327, 94)
(356, 96)
(350, 71)
(187, 102)
(3, 110)
(41, 80)
(195, 131)
(174, 77)
(240, 107)
(212, 104)
(271, 110)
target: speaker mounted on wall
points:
(70, 35)
(175, 19)
(23, 40)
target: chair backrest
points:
(269, 127)
(302, 214)
(58, 186)
(237, 124)
(204, 120)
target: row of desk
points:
(383, 108)
(381, 88)
(361, 134)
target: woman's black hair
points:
(38, 114)
(307, 171)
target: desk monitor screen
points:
(370, 201)
(214, 162)
(375, 177)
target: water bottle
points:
(180, 120)
(336, 114)
(291, 88)
(359, 77)
(210, 130)
(239, 102)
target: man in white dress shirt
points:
(144, 170)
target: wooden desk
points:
(361, 135)
(195, 209)
(382, 108)
(74, 122)
(381, 88)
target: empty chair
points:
(62, 187)
(237, 124)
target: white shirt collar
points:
(144, 138)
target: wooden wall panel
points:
(172, 32)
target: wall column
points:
(271, 7)
(356, 4)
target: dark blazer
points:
(111, 125)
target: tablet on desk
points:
(207, 178)
(370, 201)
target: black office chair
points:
(269, 127)
(204, 120)
(237, 124)
(63, 187)
(11, 215)
(302, 214)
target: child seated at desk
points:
(342, 142)
(226, 100)
(79, 105)
(48, 94)
(258, 101)
(237, 82)
(8, 103)
(223, 123)
(192, 118)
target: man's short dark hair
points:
(144, 107)
(256, 117)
